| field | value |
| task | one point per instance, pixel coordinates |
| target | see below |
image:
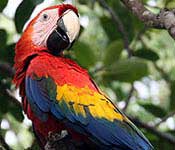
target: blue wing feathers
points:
(116, 135)
(56, 111)
(67, 112)
(37, 94)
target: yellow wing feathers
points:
(99, 106)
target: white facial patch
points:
(47, 22)
(44, 26)
(72, 24)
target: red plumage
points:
(70, 72)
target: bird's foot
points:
(54, 139)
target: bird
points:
(59, 95)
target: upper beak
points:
(70, 24)
(65, 33)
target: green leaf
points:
(3, 39)
(3, 3)
(127, 70)
(113, 52)
(8, 53)
(8, 106)
(157, 142)
(110, 28)
(85, 2)
(146, 54)
(16, 111)
(155, 110)
(172, 96)
(84, 54)
(23, 13)
(170, 4)
(118, 89)
(3, 103)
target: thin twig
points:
(5, 67)
(139, 36)
(162, 72)
(128, 99)
(166, 136)
(119, 25)
(7, 92)
(164, 119)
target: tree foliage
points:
(102, 49)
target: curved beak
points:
(66, 31)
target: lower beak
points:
(58, 41)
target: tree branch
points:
(166, 136)
(165, 19)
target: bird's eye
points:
(45, 17)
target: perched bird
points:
(57, 94)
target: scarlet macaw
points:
(57, 94)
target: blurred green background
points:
(143, 84)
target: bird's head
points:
(54, 29)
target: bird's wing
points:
(86, 111)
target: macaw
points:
(57, 94)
